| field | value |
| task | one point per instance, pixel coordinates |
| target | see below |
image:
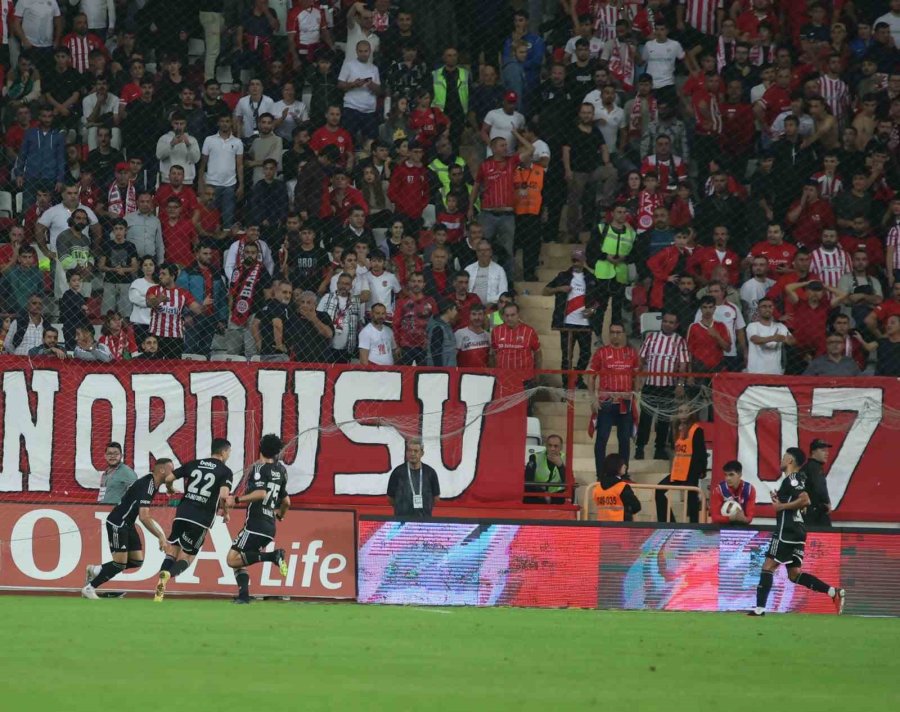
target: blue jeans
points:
(225, 201)
(609, 415)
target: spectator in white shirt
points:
(250, 107)
(766, 339)
(660, 56)
(361, 84)
(289, 113)
(101, 15)
(359, 28)
(383, 286)
(222, 167)
(731, 317)
(178, 148)
(487, 279)
(55, 220)
(503, 123)
(609, 117)
(100, 108)
(756, 287)
(38, 26)
(376, 340)
(26, 331)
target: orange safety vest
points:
(527, 185)
(610, 507)
(684, 450)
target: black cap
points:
(818, 445)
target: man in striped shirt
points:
(830, 261)
(835, 91)
(80, 42)
(167, 302)
(664, 356)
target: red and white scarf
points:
(621, 64)
(647, 203)
(243, 288)
(119, 206)
(760, 55)
(724, 53)
(636, 120)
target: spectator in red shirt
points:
(407, 261)
(428, 121)
(705, 259)
(708, 123)
(738, 131)
(810, 215)
(464, 299)
(15, 134)
(733, 487)
(879, 315)
(808, 319)
(473, 342)
(779, 253)
(411, 315)
(208, 221)
(800, 273)
(332, 134)
(611, 383)
(176, 188)
(708, 339)
(179, 236)
(760, 12)
(338, 201)
(43, 200)
(861, 238)
(409, 187)
(515, 345)
(776, 100)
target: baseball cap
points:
(511, 97)
(121, 166)
(818, 445)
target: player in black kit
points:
(267, 500)
(206, 487)
(124, 541)
(789, 540)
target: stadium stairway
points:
(537, 311)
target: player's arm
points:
(283, 507)
(799, 503)
(152, 526)
(255, 496)
(225, 500)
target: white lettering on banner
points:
(36, 430)
(750, 404)
(309, 386)
(326, 569)
(432, 391)
(153, 557)
(21, 540)
(221, 542)
(867, 402)
(159, 387)
(94, 387)
(207, 385)
(351, 387)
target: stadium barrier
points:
(586, 499)
(615, 566)
(47, 548)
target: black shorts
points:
(123, 538)
(787, 553)
(247, 540)
(188, 535)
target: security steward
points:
(819, 510)
(688, 465)
(613, 497)
(545, 473)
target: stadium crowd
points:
(333, 181)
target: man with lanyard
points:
(545, 473)
(734, 488)
(413, 488)
(251, 287)
(116, 478)
(607, 252)
(495, 178)
(819, 509)
(611, 383)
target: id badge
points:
(417, 501)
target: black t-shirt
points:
(103, 165)
(405, 482)
(272, 478)
(584, 155)
(118, 255)
(140, 494)
(306, 268)
(790, 526)
(203, 480)
(272, 309)
(71, 313)
(305, 342)
(61, 85)
(888, 353)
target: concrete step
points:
(535, 301)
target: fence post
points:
(570, 431)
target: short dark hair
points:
(707, 299)
(114, 444)
(733, 466)
(220, 445)
(270, 445)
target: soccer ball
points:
(731, 509)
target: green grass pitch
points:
(67, 654)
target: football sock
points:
(243, 582)
(179, 568)
(167, 564)
(270, 556)
(812, 583)
(763, 588)
(107, 571)
(254, 557)
(134, 563)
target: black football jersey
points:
(140, 494)
(203, 480)
(790, 526)
(271, 477)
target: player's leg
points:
(798, 576)
(766, 578)
(247, 550)
(99, 575)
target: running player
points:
(789, 539)
(207, 484)
(124, 542)
(267, 501)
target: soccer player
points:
(208, 483)
(789, 539)
(124, 542)
(267, 501)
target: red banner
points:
(346, 425)
(50, 547)
(759, 417)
